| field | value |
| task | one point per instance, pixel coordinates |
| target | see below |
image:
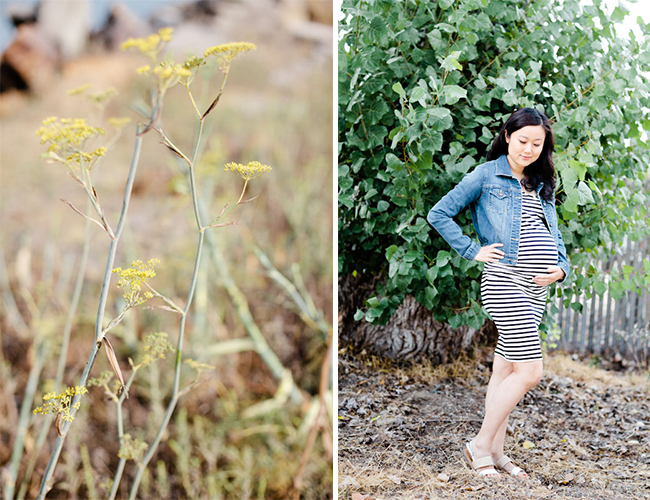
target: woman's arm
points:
(562, 261)
(441, 215)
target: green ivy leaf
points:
(453, 94)
(399, 90)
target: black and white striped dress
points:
(509, 294)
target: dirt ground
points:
(583, 432)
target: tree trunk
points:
(411, 334)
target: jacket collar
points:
(503, 169)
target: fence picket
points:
(606, 326)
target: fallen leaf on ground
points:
(568, 477)
(528, 445)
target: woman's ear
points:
(507, 138)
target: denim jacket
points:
(494, 197)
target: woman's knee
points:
(530, 373)
(502, 368)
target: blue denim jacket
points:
(494, 197)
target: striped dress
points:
(509, 294)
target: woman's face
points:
(525, 145)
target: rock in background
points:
(55, 31)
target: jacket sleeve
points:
(441, 215)
(563, 261)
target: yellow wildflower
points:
(155, 347)
(134, 278)
(151, 45)
(61, 402)
(198, 366)
(102, 97)
(193, 62)
(169, 74)
(104, 378)
(226, 52)
(79, 90)
(166, 33)
(143, 69)
(66, 138)
(119, 122)
(168, 69)
(131, 449)
(249, 171)
(87, 158)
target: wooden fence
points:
(606, 326)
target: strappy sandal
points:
(516, 471)
(480, 463)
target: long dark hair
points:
(542, 169)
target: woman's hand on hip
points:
(554, 273)
(490, 253)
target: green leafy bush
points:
(424, 87)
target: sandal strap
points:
(488, 472)
(468, 447)
(516, 471)
(503, 461)
(482, 462)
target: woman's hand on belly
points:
(554, 273)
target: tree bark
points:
(411, 333)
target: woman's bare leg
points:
(502, 397)
(500, 370)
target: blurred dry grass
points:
(276, 109)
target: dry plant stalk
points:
(68, 140)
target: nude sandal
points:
(478, 463)
(505, 460)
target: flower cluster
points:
(86, 158)
(119, 122)
(249, 171)
(131, 449)
(226, 52)
(198, 366)
(66, 134)
(155, 347)
(151, 45)
(104, 378)
(80, 90)
(193, 62)
(98, 98)
(66, 138)
(61, 403)
(133, 278)
(102, 97)
(167, 74)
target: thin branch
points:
(83, 215)
(223, 224)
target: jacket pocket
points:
(498, 200)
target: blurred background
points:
(276, 109)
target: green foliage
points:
(424, 87)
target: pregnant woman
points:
(512, 201)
